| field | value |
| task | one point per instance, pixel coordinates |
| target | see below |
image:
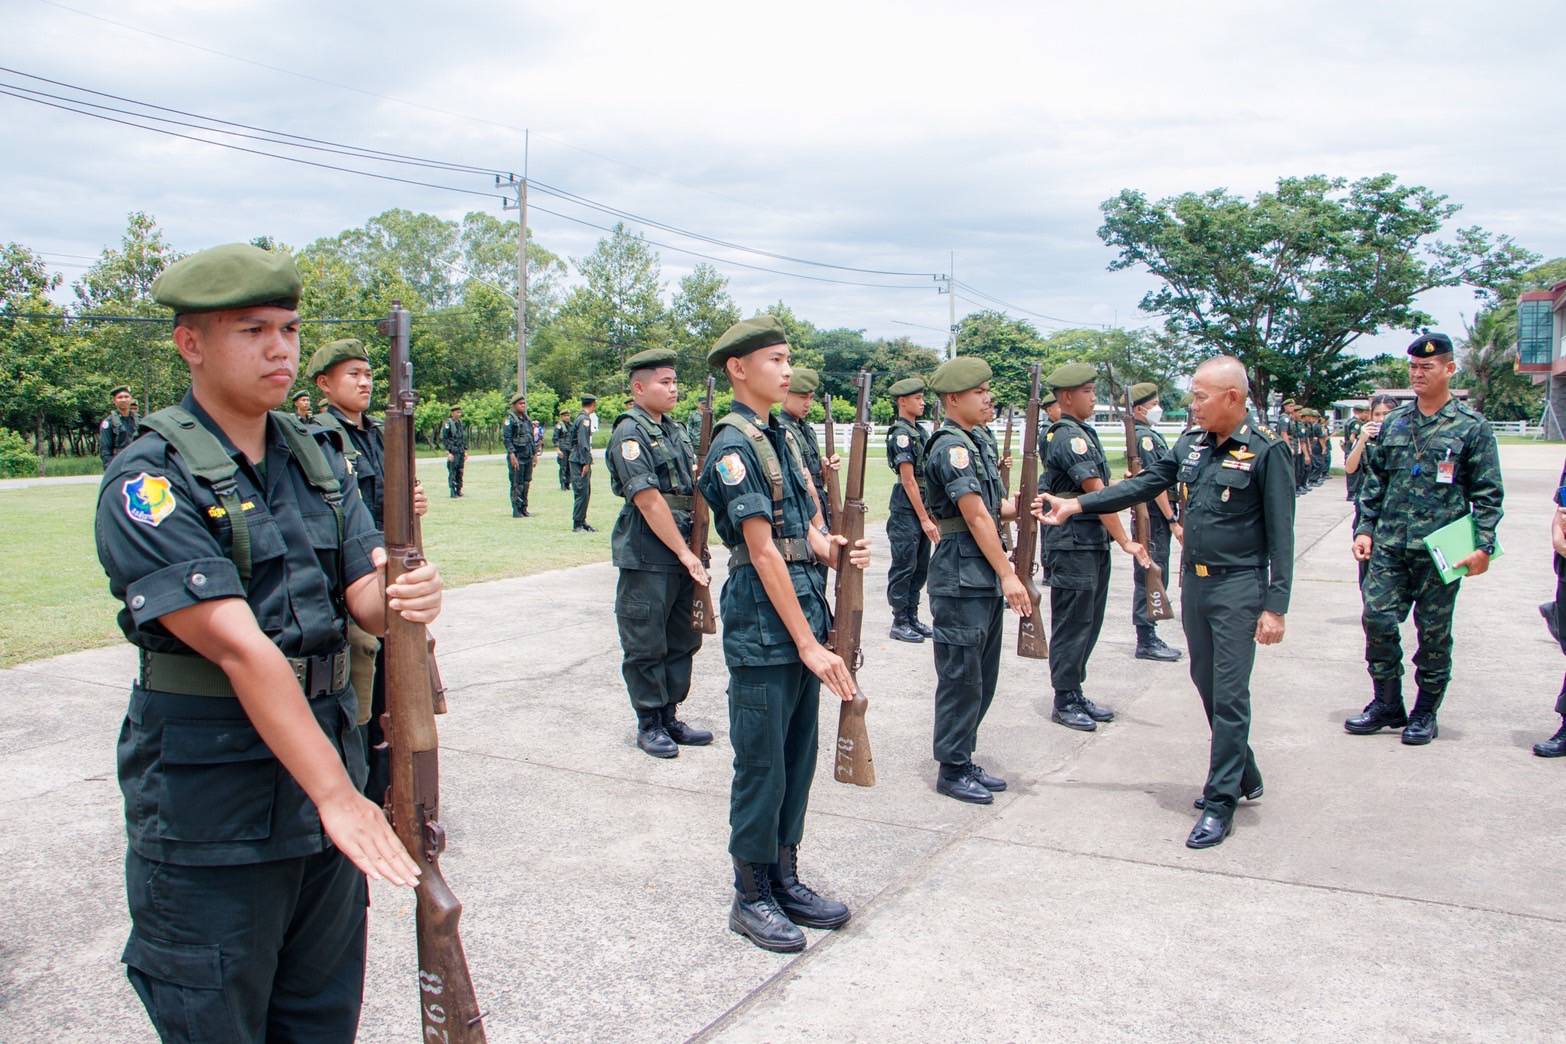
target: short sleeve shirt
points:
(1072, 455)
(582, 440)
(957, 465)
(639, 461)
(904, 445)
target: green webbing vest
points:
(327, 419)
(206, 458)
(769, 462)
(660, 444)
(956, 523)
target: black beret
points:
(1430, 344)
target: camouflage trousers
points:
(1400, 578)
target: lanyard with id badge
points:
(1446, 470)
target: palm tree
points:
(1488, 349)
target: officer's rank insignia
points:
(958, 455)
(630, 449)
(1241, 454)
(1147, 442)
(1078, 445)
(149, 499)
(731, 470)
(902, 440)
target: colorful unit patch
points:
(149, 499)
(958, 455)
(731, 470)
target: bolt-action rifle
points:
(704, 615)
(1158, 607)
(1031, 642)
(854, 764)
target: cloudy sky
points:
(879, 136)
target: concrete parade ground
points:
(1376, 891)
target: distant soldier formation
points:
(244, 542)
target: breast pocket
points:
(973, 569)
(1396, 451)
(218, 782)
(1231, 490)
(322, 528)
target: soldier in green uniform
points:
(454, 439)
(118, 429)
(1351, 429)
(1436, 461)
(775, 619)
(1235, 482)
(795, 416)
(1293, 437)
(1161, 525)
(970, 578)
(237, 549)
(516, 434)
(302, 405)
(1051, 408)
(1076, 556)
(563, 448)
(650, 460)
(910, 532)
(582, 465)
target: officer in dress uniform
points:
(118, 429)
(238, 550)
(1161, 525)
(563, 448)
(1436, 460)
(970, 578)
(1076, 557)
(650, 462)
(1235, 483)
(454, 439)
(521, 448)
(910, 531)
(582, 465)
(775, 619)
(795, 415)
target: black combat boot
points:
(1384, 711)
(917, 624)
(1069, 713)
(681, 733)
(1151, 647)
(902, 630)
(1421, 727)
(957, 781)
(652, 737)
(795, 898)
(1555, 746)
(756, 914)
(1092, 709)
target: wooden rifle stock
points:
(437, 685)
(853, 763)
(1005, 477)
(1031, 642)
(448, 1009)
(1158, 607)
(828, 476)
(704, 616)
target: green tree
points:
(489, 255)
(1384, 371)
(1009, 345)
(702, 309)
(1290, 280)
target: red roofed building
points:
(1541, 327)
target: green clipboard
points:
(1452, 543)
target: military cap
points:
(520, 396)
(454, 409)
(117, 389)
(650, 359)
(1049, 397)
(236, 275)
(803, 381)
(588, 399)
(1072, 375)
(333, 352)
(565, 412)
(1290, 402)
(1146, 391)
(301, 394)
(1430, 344)
(906, 386)
(959, 375)
(744, 337)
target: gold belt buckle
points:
(1201, 570)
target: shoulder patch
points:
(1049, 436)
(731, 469)
(630, 449)
(902, 439)
(105, 425)
(149, 499)
(1078, 445)
(958, 455)
(1147, 442)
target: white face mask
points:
(1155, 413)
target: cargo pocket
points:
(219, 779)
(1070, 571)
(181, 985)
(957, 653)
(749, 726)
(973, 569)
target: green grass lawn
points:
(55, 599)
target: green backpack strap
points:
(329, 420)
(206, 458)
(318, 470)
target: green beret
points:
(744, 337)
(520, 396)
(117, 389)
(1049, 397)
(1290, 402)
(588, 399)
(1429, 345)
(959, 375)
(803, 381)
(650, 359)
(333, 352)
(237, 275)
(907, 386)
(1071, 375)
(301, 394)
(1146, 391)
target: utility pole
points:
(950, 290)
(520, 206)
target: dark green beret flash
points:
(333, 352)
(652, 358)
(1146, 391)
(1072, 375)
(907, 386)
(236, 275)
(1430, 345)
(744, 337)
(803, 381)
(959, 375)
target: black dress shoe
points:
(1092, 709)
(1421, 729)
(1555, 746)
(756, 914)
(912, 620)
(1155, 649)
(903, 631)
(1072, 716)
(797, 900)
(955, 781)
(985, 780)
(681, 733)
(1253, 794)
(1375, 717)
(653, 738)
(1210, 830)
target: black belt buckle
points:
(340, 664)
